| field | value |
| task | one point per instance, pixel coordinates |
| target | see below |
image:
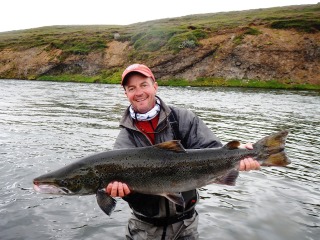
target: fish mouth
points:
(49, 188)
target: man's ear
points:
(155, 84)
(125, 91)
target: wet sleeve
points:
(124, 140)
(195, 132)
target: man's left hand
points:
(248, 163)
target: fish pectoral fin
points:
(105, 202)
(232, 145)
(176, 198)
(174, 145)
(229, 178)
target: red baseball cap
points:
(140, 68)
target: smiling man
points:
(148, 121)
(140, 87)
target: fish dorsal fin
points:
(174, 145)
(232, 145)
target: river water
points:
(45, 125)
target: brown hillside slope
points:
(230, 53)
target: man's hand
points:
(249, 163)
(118, 189)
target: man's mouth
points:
(140, 100)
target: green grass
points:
(114, 77)
(76, 40)
(181, 41)
(304, 25)
(152, 40)
(107, 76)
(78, 45)
(219, 82)
(70, 78)
(248, 31)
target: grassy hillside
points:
(156, 38)
(166, 33)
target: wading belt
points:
(165, 221)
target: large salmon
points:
(164, 169)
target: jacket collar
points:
(127, 122)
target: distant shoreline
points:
(203, 82)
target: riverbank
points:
(200, 82)
(273, 48)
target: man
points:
(147, 121)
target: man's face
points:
(141, 92)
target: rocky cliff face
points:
(273, 54)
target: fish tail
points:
(270, 150)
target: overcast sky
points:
(24, 14)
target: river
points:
(45, 125)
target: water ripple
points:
(45, 125)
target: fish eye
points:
(64, 182)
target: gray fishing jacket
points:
(174, 123)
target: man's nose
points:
(138, 91)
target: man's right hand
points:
(117, 189)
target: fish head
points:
(50, 188)
(56, 185)
(71, 180)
